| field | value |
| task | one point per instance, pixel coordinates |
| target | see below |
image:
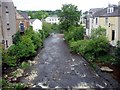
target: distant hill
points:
(56, 12)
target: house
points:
(36, 24)
(109, 18)
(52, 19)
(22, 21)
(86, 19)
(7, 22)
(1, 36)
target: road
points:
(56, 67)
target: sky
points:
(83, 5)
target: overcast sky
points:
(57, 4)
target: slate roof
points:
(24, 14)
(32, 20)
(53, 16)
(93, 10)
(103, 13)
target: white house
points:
(36, 23)
(52, 19)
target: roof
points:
(103, 12)
(54, 16)
(19, 16)
(24, 14)
(93, 10)
(32, 20)
(119, 3)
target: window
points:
(108, 10)
(7, 12)
(7, 9)
(96, 21)
(22, 27)
(106, 20)
(8, 28)
(7, 17)
(111, 9)
(113, 34)
(6, 6)
(6, 44)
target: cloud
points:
(57, 4)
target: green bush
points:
(92, 48)
(41, 32)
(8, 59)
(75, 33)
(29, 32)
(47, 28)
(25, 45)
(106, 59)
(117, 54)
(12, 50)
(100, 46)
(79, 46)
(25, 48)
(22, 49)
(55, 28)
(36, 39)
(98, 32)
(24, 65)
(16, 38)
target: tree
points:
(100, 31)
(56, 12)
(75, 33)
(40, 15)
(30, 13)
(47, 28)
(25, 48)
(69, 16)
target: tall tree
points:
(40, 15)
(30, 13)
(69, 16)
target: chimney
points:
(119, 3)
